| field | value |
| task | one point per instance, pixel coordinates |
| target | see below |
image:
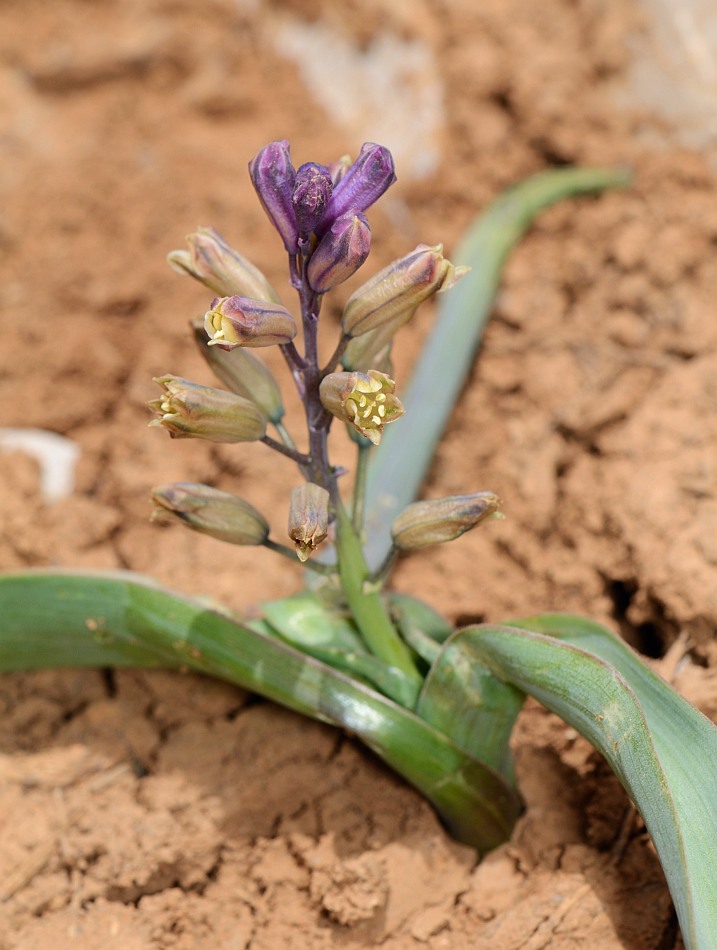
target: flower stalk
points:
(319, 214)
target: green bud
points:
(365, 401)
(370, 351)
(308, 518)
(211, 511)
(218, 266)
(191, 411)
(442, 519)
(241, 321)
(243, 372)
(394, 293)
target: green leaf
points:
(400, 464)
(55, 618)
(463, 698)
(304, 621)
(662, 749)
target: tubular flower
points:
(273, 177)
(218, 266)
(212, 512)
(310, 196)
(340, 252)
(191, 411)
(243, 372)
(242, 321)
(308, 518)
(442, 519)
(391, 296)
(365, 401)
(362, 184)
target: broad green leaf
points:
(55, 618)
(400, 464)
(662, 749)
(304, 621)
(463, 699)
(409, 611)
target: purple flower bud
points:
(340, 252)
(312, 190)
(364, 182)
(273, 177)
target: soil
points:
(155, 810)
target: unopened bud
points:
(338, 169)
(273, 177)
(218, 266)
(308, 518)
(211, 511)
(191, 411)
(441, 519)
(391, 296)
(340, 252)
(242, 321)
(368, 352)
(243, 372)
(363, 183)
(312, 190)
(365, 401)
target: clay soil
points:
(156, 810)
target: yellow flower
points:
(365, 401)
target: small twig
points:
(317, 566)
(378, 578)
(299, 457)
(285, 435)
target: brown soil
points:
(166, 811)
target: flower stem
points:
(319, 567)
(367, 608)
(285, 435)
(298, 457)
(359, 496)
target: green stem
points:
(285, 435)
(367, 609)
(359, 495)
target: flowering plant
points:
(437, 704)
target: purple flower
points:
(273, 177)
(311, 194)
(365, 181)
(340, 252)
